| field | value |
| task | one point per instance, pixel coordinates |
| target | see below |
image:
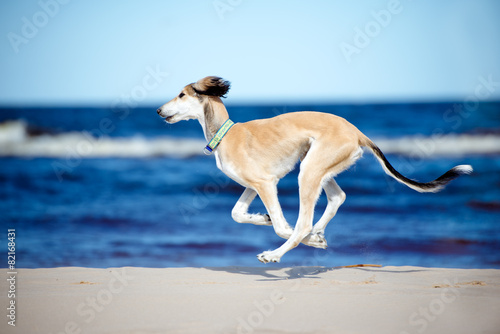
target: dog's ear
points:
(213, 86)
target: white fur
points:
(259, 153)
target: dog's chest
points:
(228, 169)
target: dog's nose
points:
(158, 110)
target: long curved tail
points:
(433, 186)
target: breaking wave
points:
(17, 139)
(443, 145)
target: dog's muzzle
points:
(168, 119)
(160, 112)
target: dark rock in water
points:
(487, 206)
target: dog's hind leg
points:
(315, 168)
(335, 197)
(240, 211)
(309, 191)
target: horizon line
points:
(102, 105)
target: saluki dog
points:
(257, 154)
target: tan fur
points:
(257, 154)
(202, 84)
(284, 139)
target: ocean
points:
(112, 187)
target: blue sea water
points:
(103, 187)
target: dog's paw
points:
(316, 240)
(267, 220)
(268, 256)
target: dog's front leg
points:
(268, 193)
(240, 211)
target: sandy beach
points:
(401, 300)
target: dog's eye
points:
(181, 95)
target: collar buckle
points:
(207, 150)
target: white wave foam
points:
(15, 140)
(444, 145)
(12, 132)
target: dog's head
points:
(189, 104)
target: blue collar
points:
(218, 137)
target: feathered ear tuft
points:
(213, 86)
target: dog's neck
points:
(214, 115)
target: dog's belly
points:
(284, 163)
(264, 165)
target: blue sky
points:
(75, 52)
